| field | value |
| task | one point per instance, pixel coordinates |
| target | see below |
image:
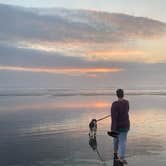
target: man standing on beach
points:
(121, 124)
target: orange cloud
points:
(112, 53)
(142, 50)
(125, 55)
(75, 71)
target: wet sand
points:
(49, 130)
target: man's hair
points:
(120, 93)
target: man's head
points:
(120, 93)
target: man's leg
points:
(122, 145)
(116, 142)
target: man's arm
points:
(114, 116)
(128, 106)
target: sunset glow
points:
(65, 44)
(63, 67)
(140, 50)
(69, 71)
(60, 105)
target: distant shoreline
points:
(68, 93)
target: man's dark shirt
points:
(120, 115)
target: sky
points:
(146, 8)
(59, 48)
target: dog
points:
(92, 128)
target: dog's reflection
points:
(93, 142)
(92, 138)
(93, 145)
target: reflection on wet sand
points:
(57, 105)
(60, 128)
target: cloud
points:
(11, 56)
(91, 35)
(29, 60)
(49, 47)
(118, 55)
(22, 67)
(148, 51)
(67, 71)
(74, 25)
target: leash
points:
(105, 117)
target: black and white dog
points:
(92, 128)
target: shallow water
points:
(53, 130)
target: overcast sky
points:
(68, 48)
(147, 8)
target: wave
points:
(71, 92)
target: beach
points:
(51, 128)
(61, 63)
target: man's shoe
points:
(123, 161)
(116, 156)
